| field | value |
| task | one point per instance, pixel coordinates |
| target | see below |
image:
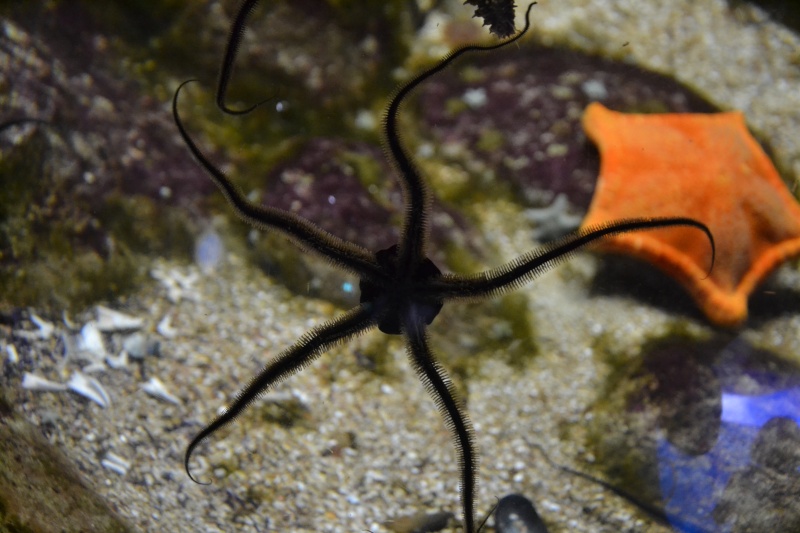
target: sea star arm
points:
(345, 254)
(440, 387)
(417, 197)
(310, 346)
(530, 265)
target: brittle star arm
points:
(440, 387)
(310, 346)
(235, 38)
(416, 195)
(528, 266)
(346, 255)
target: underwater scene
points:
(400, 266)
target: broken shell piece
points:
(135, 345)
(118, 361)
(139, 346)
(155, 388)
(115, 463)
(68, 322)
(111, 320)
(89, 387)
(91, 368)
(11, 354)
(165, 327)
(37, 383)
(90, 341)
(44, 332)
(178, 286)
(45, 328)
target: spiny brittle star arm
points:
(235, 38)
(310, 346)
(416, 194)
(440, 387)
(347, 255)
(534, 263)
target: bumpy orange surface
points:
(707, 167)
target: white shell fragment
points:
(177, 284)
(90, 388)
(110, 320)
(91, 368)
(135, 345)
(115, 463)
(156, 388)
(165, 328)
(139, 346)
(90, 341)
(117, 361)
(45, 328)
(68, 322)
(44, 331)
(38, 383)
(11, 354)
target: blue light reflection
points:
(758, 410)
(705, 492)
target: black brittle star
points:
(402, 290)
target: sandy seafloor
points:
(401, 461)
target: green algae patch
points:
(59, 253)
(625, 445)
(59, 269)
(455, 106)
(57, 282)
(41, 259)
(288, 412)
(491, 140)
(40, 491)
(513, 335)
(467, 334)
(606, 346)
(146, 227)
(68, 240)
(315, 62)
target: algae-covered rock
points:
(680, 430)
(91, 168)
(514, 116)
(40, 491)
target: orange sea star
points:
(707, 167)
